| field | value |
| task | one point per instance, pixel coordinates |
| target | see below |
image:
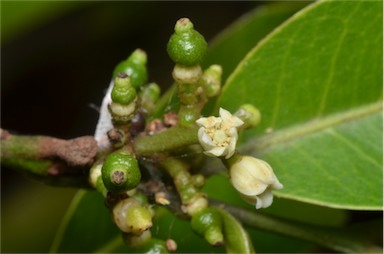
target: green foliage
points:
(236, 238)
(320, 99)
(317, 81)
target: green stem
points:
(334, 238)
(165, 100)
(181, 177)
(169, 140)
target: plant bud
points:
(249, 114)
(120, 172)
(208, 223)
(134, 67)
(186, 46)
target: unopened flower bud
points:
(124, 100)
(131, 217)
(123, 92)
(249, 114)
(138, 219)
(134, 67)
(211, 80)
(254, 179)
(208, 222)
(186, 46)
(120, 172)
(149, 95)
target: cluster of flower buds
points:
(137, 135)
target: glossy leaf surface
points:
(317, 81)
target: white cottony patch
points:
(104, 124)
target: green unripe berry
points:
(120, 172)
(208, 222)
(134, 67)
(186, 46)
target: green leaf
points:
(317, 81)
(242, 35)
(21, 16)
(87, 226)
(235, 237)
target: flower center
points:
(220, 138)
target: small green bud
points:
(123, 96)
(211, 80)
(134, 67)
(120, 172)
(249, 114)
(154, 246)
(149, 96)
(208, 222)
(138, 219)
(186, 46)
(123, 92)
(198, 180)
(131, 217)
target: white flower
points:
(218, 135)
(254, 180)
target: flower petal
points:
(264, 200)
(224, 114)
(216, 151)
(202, 121)
(204, 139)
(262, 171)
(277, 185)
(244, 182)
(231, 147)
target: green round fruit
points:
(186, 46)
(120, 172)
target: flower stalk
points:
(192, 199)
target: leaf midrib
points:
(264, 143)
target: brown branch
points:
(47, 156)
